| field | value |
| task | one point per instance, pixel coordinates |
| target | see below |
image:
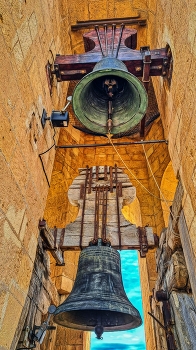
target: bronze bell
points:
(109, 98)
(98, 300)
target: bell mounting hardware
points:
(112, 94)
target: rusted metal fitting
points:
(162, 295)
(42, 224)
(143, 241)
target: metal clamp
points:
(143, 241)
(38, 333)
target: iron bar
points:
(110, 19)
(96, 217)
(145, 79)
(106, 39)
(111, 179)
(83, 207)
(90, 180)
(104, 212)
(160, 324)
(105, 173)
(97, 173)
(90, 24)
(117, 205)
(99, 39)
(113, 36)
(115, 144)
(120, 37)
(143, 241)
(169, 335)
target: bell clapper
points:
(111, 88)
(99, 331)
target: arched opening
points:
(168, 188)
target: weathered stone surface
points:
(85, 225)
(184, 317)
(188, 251)
(32, 32)
(173, 236)
(177, 275)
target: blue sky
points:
(133, 339)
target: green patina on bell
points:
(129, 99)
(98, 300)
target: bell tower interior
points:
(48, 50)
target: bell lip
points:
(99, 306)
(131, 325)
(103, 128)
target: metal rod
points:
(104, 211)
(90, 180)
(115, 144)
(83, 207)
(113, 36)
(96, 216)
(110, 19)
(99, 39)
(117, 206)
(111, 179)
(160, 324)
(139, 22)
(106, 39)
(120, 37)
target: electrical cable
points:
(54, 144)
(110, 140)
(40, 154)
(161, 193)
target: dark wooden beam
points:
(74, 67)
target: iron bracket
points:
(49, 75)
(163, 296)
(143, 241)
(136, 20)
(49, 243)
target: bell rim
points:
(130, 78)
(137, 322)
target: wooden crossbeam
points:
(74, 67)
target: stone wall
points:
(31, 33)
(173, 303)
(176, 103)
(29, 38)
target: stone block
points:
(7, 138)
(188, 251)
(63, 284)
(177, 274)
(33, 25)
(183, 306)
(74, 337)
(12, 313)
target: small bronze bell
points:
(98, 300)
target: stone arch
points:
(132, 212)
(168, 188)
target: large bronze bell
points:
(98, 300)
(109, 98)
